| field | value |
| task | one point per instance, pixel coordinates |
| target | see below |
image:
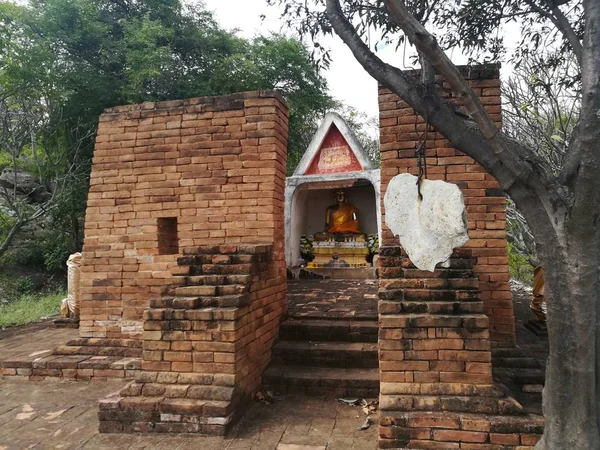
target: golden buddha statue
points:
(341, 218)
(341, 244)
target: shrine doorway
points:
(307, 220)
(334, 165)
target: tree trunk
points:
(572, 288)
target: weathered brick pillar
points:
(435, 364)
(437, 329)
(172, 175)
(207, 342)
(401, 130)
(203, 178)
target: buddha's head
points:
(340, 196)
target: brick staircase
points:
(522, 374)
(201, 348)
(81, 359)
(437, 388)
(320, 354)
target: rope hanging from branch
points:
(421, 156)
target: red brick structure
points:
(436, 330)
(435, 362)
(184, 271)
(205, 178)
(172, 175)
(207, 342)
(401, 129)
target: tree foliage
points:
(74, 58)
(542, 111)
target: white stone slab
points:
(428, 229)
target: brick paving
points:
(33, 342)
(333, 299)
(63, 415)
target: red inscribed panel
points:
(334, 156)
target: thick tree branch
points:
(427, 71)
(583, 157)
(560, 21)
(427, 46)
(520, 161)
(588, 132)
(11, 236)
(519, 170)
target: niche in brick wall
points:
(168, 242)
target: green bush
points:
(520, 267)
(13, 288)
(29, 254)
(56, 251)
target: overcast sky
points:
(347, 80)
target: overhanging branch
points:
(427, 45)
(560, 21)
(519, 170)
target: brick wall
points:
(207, 341)
(401, 131)
(172, 175)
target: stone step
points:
(427, 320)
(445, 284)
(178, 390)
(341, 315)
(69, 366)
(227, 249)
(429, 295)
(131, 352)
(105, 342)
(335, 382)
(221, 301)
(214, 259)
(439, 295)
(452, 403)
(517, 363)
(509, 352)
(455, 273)
(326, 354)
(400, 427)
(520, 376)
(329, 330)
(210, 290)
(221, 269)
(218, 280)
(433, 307)
(164, 415)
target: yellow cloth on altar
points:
(343, 219)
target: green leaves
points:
(74, 58)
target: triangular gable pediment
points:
(333, 149)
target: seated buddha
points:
(341, 217)
(341, 244)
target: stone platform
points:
(60, 353)
(332, 299)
